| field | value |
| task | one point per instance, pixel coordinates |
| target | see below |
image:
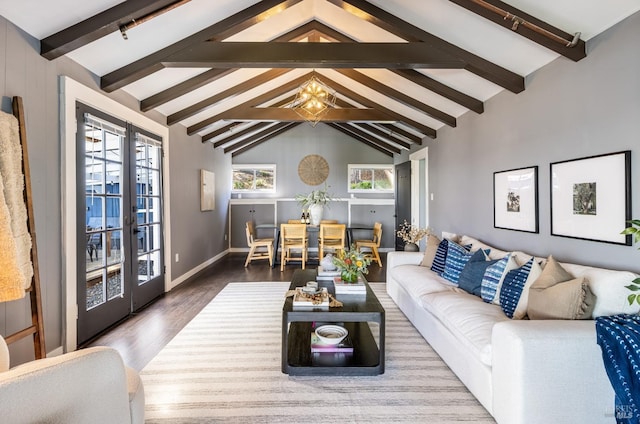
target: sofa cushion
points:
(457, 258)
(514, 292)
(493, 278)
(441, 257)
(468, 318)
(557, 295)
(471, 276)
(433, 243)
(609, 288)
(418, 280)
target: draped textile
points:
(619, 339)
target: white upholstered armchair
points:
(86, 386)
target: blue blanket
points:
(619, 339)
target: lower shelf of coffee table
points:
(365, 359)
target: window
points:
(256, 178)
(370, 178)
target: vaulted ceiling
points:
(228, 70)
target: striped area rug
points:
(224, 367)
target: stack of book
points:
(349, 288)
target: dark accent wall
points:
(568, 110)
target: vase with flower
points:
(411, 235)
(351, 263)
(314, 202)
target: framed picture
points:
(515, 199)
(207, 190)
(591, 197)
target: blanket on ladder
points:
(15, 240)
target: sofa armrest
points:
(88, 385)
(403, 258)
(549, 371)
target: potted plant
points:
(411, 235)
(314, 202)
(351, 263)
(634, 230)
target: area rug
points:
(224, 367)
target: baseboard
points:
(184, 277)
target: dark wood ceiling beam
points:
(398, 96)
(391, 23)
(259, 135)
(424, 129)
(98, 26)
(411, 74)
(441, 89)
(312, 55)
(361, 140)
(283, 114)
(366, 136)
(258, 100)
(242, 133)
(219, 31)
(513, 20)
(264, 139)
(219, 131)
(395, 129)
(383, 135)
(226, 94)
(209, 76)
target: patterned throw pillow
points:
(471, 276)
(493, 278)
(457, 258)
(441, 257)
(514, 293)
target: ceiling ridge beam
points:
(391, 23)
(98, 26)
(518, 21)
(290, 115)
(275, 54)
(209, 76)
(230, 92)
(398, 96)
(220, 30)
(411, 74)
(361, 140)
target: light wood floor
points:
(140, 337)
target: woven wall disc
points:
(313, 169)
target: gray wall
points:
(287, 149)
(569, 110)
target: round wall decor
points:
(313, 169)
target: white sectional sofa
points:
(522, 371)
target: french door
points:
(120, 240)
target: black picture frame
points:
(515, 199)
(591, 197)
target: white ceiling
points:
(441, 18)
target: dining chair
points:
(331, 237)
(373, 244)
(257, 246)
(293, 238)
(328, 221)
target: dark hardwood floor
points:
(140, 337)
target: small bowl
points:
(331, 334)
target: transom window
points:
(371, 178)
(256, 178)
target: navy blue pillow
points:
(471, 276)
(441, 257)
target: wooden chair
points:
(328, 221)
(373, 244)
(293, 238)
(331, 237)
(257, 246)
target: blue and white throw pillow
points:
(441, 257)
(514, 293)
(457, 258)
(493, 278)
(471, 276)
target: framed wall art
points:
(207, 190)
(515, 199)
(591, 197)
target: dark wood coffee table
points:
(355, 314)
